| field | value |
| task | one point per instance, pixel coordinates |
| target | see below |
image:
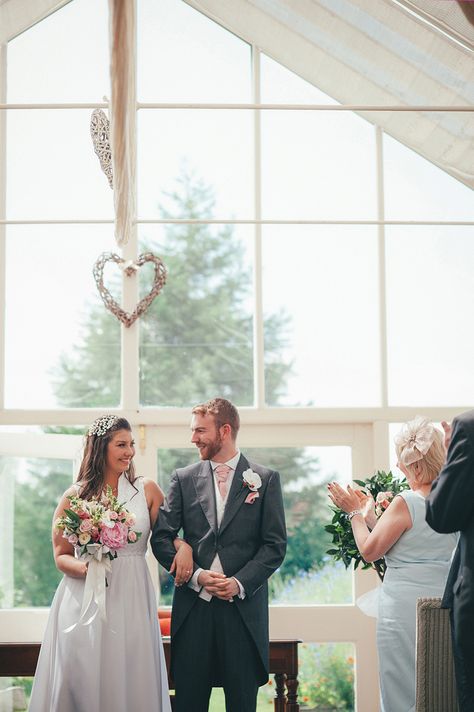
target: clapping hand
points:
(345, 499)
(367, 506)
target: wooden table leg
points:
(279, 702)
(292, 686)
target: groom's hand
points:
(219, 585)
(228, 589)
(210, 579)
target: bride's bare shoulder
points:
(72, 491)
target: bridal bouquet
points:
(97, 528)
(382, 487)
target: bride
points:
(118, 663)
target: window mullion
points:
(258, 327)
(130, 335)
(382, 271)
(3, 190)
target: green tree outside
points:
(35, 499)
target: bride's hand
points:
(182, 565)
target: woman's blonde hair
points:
(430, 459)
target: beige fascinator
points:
(414, 440)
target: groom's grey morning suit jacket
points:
(250, 542)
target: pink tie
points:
(222, 474)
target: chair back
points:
(435, 681)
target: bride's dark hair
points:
(91, 471)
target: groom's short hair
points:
(223, 411)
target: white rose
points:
(84, 538)
(252, 479)
(107, 522)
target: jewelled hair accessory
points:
(415, 439)
(101, 425)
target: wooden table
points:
(19, 659)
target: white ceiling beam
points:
(16, 16)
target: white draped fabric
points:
(122, 115)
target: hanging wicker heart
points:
(100, 134)
(130, 268)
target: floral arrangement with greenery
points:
(382, 487)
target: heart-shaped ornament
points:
(100, 134)
(130, 268)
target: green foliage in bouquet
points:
(344, 547)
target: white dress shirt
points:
(220, 508)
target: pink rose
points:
(72, 539)
(114, 537)
(383, 499)
(113, 515)
(95, 533)
(251, 497)
(132, 536)
(86, 525)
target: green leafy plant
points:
(344, 547)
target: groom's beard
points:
(211, 449)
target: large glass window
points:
(64, 58)
(62, 345)
(53, 173)
(317, 165)
(179, 149)
(416, 189)
(429, 303)
(184, 56)
(197, 338)
(321, 315)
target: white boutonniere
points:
(253, 481)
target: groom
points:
(231, 513)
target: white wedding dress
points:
(114, 665)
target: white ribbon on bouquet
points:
(94, 589)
